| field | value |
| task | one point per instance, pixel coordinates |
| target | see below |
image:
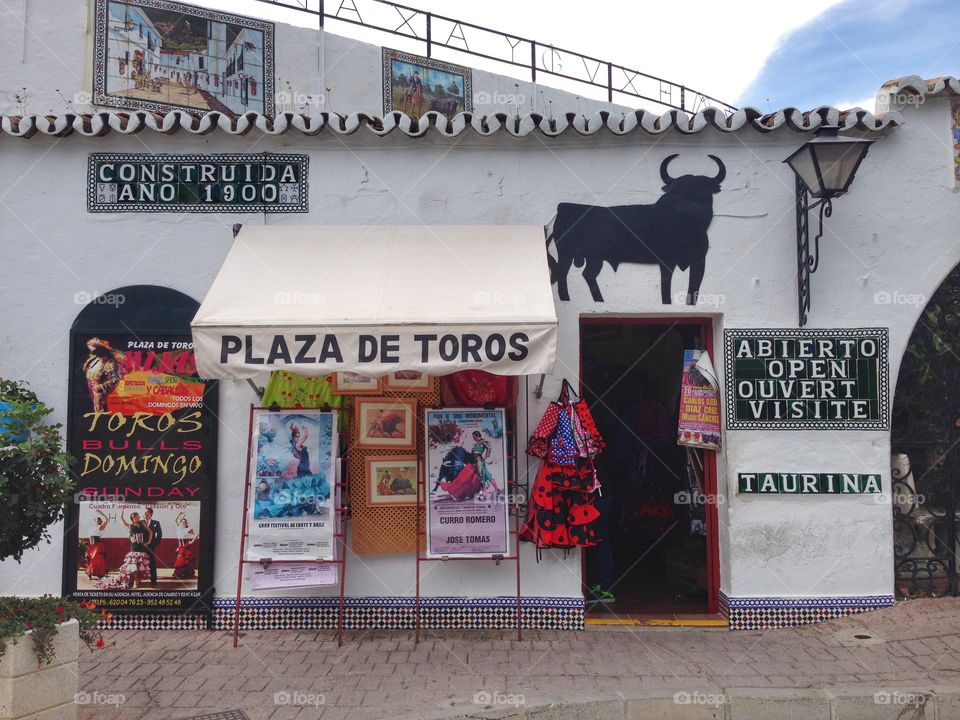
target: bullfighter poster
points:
(699, 423)
(293, 475)
(466, 474)
(144, 434)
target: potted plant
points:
(39, 675)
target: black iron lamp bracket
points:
(808, 260)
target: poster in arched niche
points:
(139, 535)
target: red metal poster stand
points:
(513, 491)
(339, 536)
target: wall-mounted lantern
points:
(824, 168)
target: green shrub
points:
(34, 482)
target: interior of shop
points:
(653, 556)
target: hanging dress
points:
(291, 390)
(562, 510)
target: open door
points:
(658, 555)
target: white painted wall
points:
(896, 231)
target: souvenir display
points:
(562, 512)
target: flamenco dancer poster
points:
(467, 482)
(293, 474)
(142, 430)
(143, 546)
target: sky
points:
(765, 53)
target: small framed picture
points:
(408, 381)
(384, 422)
(392, 480)
(348, 383)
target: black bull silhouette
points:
(671, 233)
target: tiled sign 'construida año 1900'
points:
(232, 182)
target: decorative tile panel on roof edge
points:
(101, 123)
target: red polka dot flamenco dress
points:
(562, 512)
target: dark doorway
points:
(658, 556)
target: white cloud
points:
(867, 103)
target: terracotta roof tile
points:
(932, 87)
(640, 121)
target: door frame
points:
(706, 324)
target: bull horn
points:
(664, 175)
(722, 173)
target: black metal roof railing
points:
(440, 31)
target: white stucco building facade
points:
(894, 234)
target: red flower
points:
(100, 643)
(59, 621)
(59, 610)
(28, 625)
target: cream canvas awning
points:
(376, 299)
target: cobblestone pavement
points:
(298, 674)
